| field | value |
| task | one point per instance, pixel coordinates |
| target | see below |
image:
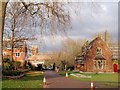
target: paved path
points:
(54, 80)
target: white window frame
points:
(17, 54)
(97, 65)
(4, 53)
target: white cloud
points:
(89, 20)
(104, 7)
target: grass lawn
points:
(32, 79)
(110, 79)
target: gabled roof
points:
(96, 39)
(92, 42)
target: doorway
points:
(115, 66)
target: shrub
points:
(7, 66)
(27, 67)
(17, 64)
(12, 73)
(118, 70)
(70, 68)
(39, 67)
(6, 60)
(31, 66)
(44, 67)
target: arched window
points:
(99, 64)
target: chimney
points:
(106, 36)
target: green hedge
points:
(12, 73)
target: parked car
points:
(49, 68)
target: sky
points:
(91, 19)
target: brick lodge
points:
(96, 57)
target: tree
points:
(51, 14)
(71, 49)
(3, 6)
(66, 57)
(15, 23)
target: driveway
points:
(54, 80)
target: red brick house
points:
(19, 53)
(96, 57)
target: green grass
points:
(0, 84)
(110, 79)
(32, 79)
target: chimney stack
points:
(106, 36)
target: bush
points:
(118, 70)
(7, 66)
(17, 64)
(39, 67)
(27, 67)
(12, 73)
(6, 60)
(70, 68)
(31, 66)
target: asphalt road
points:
(54, 80)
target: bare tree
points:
(15, 23)
(3, 6)
(71, 49)
(51, 15)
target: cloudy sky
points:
(91, 19)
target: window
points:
(99, 51)
(99, 64)
(17, 54)
(4, 53)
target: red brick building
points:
(19, 53)
(96, 57)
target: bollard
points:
(66, 75)
(44, 81)
(92, 85)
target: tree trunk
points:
(12, 47)
(3, 6)
(12, 52)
